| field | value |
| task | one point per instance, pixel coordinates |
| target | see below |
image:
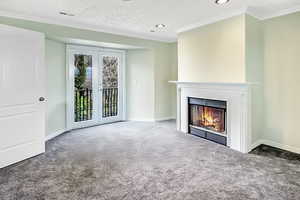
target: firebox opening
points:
(207, 119)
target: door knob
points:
(41, 99)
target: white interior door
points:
(22, 90)
(95, 81)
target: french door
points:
(95, 82)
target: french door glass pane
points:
(110, 86)
(83, 97)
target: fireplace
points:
(207, 119)
(235, 106)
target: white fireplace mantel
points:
(238, 98)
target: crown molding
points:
(211, 20)
(253, 14)
(103, 29)
(280, 13)
(248, 11)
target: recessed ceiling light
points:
(160, 26)
(222, 1)
(66, 14)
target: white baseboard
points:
(275, 144)
(55, 134)
(164, 119)
(151, 120)
(141, 120)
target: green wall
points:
(254, 68)
(162, 74)
(174, 77)
(56, 86)
(282, 81)
(140, 85)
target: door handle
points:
(42, 99)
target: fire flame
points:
(210, 118)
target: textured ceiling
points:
(138, 17)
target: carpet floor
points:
(143, 161)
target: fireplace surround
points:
(238, 110)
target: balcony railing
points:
(109, 102)
(83, 103)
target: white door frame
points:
(97, 115)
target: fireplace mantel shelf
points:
(214, 83)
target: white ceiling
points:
(138, 17)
